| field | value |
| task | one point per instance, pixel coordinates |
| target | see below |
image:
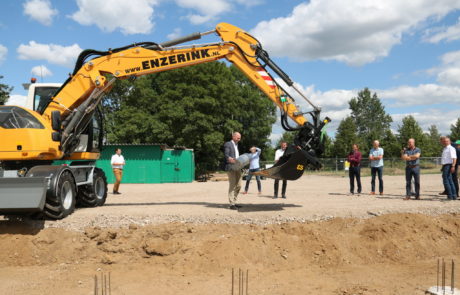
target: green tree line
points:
(199, 107)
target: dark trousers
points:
(415, 173)
(455, 179)
(379, 171)
(283, 189)
(355, 172)
(448, 182)
(248, 180)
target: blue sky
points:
(409, 53)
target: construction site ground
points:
(183, 239)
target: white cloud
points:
(40, 10)
(249, 3)
(433, 116)
(131, 17)
(423, 94)
(175, 34)
(207, 10)
(436, 35)
(354, 32)
(54, 54)
(17, 100)
(41, 71)
(3, 53)
(447, 90)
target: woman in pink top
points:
(354, 157)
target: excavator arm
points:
(74, 104)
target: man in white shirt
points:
(448, 161)
(117, 162)
(278, 154)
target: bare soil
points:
(182, 239)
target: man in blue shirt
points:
(411, 155)
(376, 157)
(254, 166)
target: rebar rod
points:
(437, 278)
(247, 280)
(233, 279)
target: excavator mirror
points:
(56, 120)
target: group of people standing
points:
(231, 153)
(411, 155)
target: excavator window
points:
(42, 96)
(17, 118)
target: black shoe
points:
(275, 197)
(443, 193)
(116, 193)
(284, 197)
(233, 207)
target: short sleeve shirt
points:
(410, 152)
(376, 152)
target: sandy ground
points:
(183, 239)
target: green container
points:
(148, 163)
(177, 166)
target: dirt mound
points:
(382, 254)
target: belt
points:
(412, 166)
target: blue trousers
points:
(259, 185)
(448, 182)
(379, 171)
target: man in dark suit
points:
(234, 176)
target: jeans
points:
(455, 178)
(379, 171)
(448, 182)
(248, 180)
(283, 190)
(415, 173)
(352, 173)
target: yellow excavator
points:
(63, 122)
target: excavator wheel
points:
(61, 203)
(94, 194)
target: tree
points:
(390, 144)
(4, 92)
(411, 129)
(346, 136)
(432, 146)
(455, 130)
(197, 107)
(369, 116)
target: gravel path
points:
(310, 198)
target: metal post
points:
(95, 285)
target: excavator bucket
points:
(290, 166)
(22, 194)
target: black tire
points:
(61, 203)
(95, 194)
